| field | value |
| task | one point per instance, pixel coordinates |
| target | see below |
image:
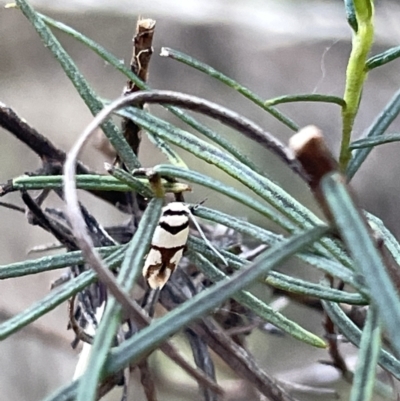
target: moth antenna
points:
(209, 244)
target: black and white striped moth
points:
(168, 243)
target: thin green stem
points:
(371, 142)
(356, 74)
(306, 97)
(383, 58)
(212, 72)
(120, 181)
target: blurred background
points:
(272, 47)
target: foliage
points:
(349, 256)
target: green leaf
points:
(143, 187)
(351, 14)
(47, 263)
(227, 144)
(355, 234)
(374, 141)
(319, 291)
(353, 334)
(98, 49)
(266, 237)
(293, 210)
(120, 180)
(167, 170)
(364, 375)
(83, 88)
(150, 337)
(55, 298)
(377, 128)
(65, 393)
(383, 58)
(388, 238)
(259, 307)
(88, 182)
(308, 97)
(172, 156)
(48, 303)
(212, 72)
(260, 185)
(290, 283)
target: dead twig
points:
(147, 381)
(142, 51)
(73, 324)
(52, 157)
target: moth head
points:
(176, 207)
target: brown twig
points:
(107, 385)
(313, 154)
(203, 360)
(52, 157)
(240, 361)
(79, 332)
(139, 65)
(334, 351)
(60, 232)
(39, 144)
(142, 51)
(147, 381)
(12, 207)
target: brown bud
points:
(311, 151)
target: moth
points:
(168, 243)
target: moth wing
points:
(153, 261)
(158, 278)
(176, 258)
(165, 239)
